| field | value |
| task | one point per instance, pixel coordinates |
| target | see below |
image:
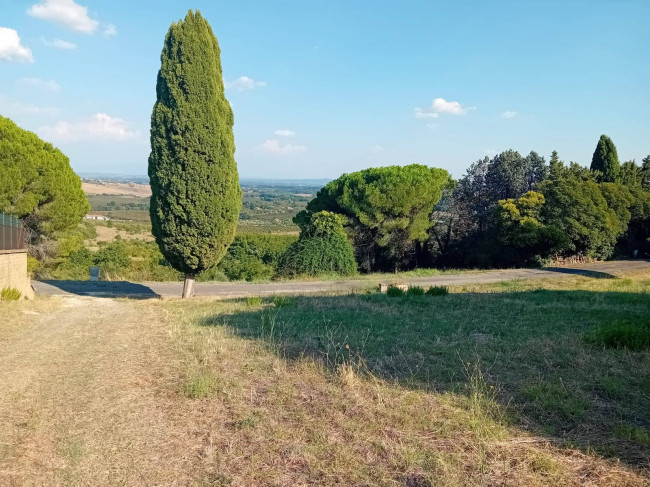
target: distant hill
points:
(141, 179)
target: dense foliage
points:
(196, 195)
(605, 161)
(37, 183)
(323, 247)
(254, 256)
(387, 209)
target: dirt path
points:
(238, 289)
(90, 370)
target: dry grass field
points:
(115, 188)
(490, 385)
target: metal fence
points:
(13, 234)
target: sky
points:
(320, 88)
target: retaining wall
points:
(13, 272)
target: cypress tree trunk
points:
(196, 197)
(188, 286)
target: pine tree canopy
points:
(196, 196)
(37, 183)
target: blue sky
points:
(325, 87)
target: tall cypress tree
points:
(605, 160)
(196, 197)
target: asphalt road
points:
(238, 290)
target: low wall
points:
(13, 272)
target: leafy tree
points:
(37, 183)
(556, 166)
(464, 230)
(388, 210)
(196, 195)
(253, 257)
(605, 160)
(631, 174)
(579, 209)
(322, 247)
(520, 230)
(645, 173)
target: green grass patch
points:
(631, 336)
(437, 291)
(199, 385)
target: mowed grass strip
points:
(488, 385)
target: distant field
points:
(115, 188)
(265, 208)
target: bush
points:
(415, 291)
(10, 294)
(395, 292)
(319, 255)
(254, 257)
(437, 291)
(322, 248)
(631, 336)
(284, 302)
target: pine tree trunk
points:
(188, 286)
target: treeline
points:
(508, 210)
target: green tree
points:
(322, 247)
(520, 229)
(196, 196)
(556, 166)
(388, 210)
(645, 173)
(578, 208)
(630, 174)
(605, 161)
(37, 183)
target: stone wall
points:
(13, 272)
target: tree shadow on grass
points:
(530, 346)
(581, 272)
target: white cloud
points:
(109, 31)
(376, 148)
(16, 109)
(39, 84)
(274, 147)
(66, 13)
(11, 49)
(285, 133)
(59, 44)
(99, 127)
(244, 83)
(509, 114)
(440, 106)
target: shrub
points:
(632, 336)
(319, 255)
(322, 247)
(254, 301)
(10, 294)
(415, 291)
(254, 256)
(437, 291)
(284, 302)
(395, 292)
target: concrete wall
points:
(13, 272)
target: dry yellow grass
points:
(115, 392)
(118, 189)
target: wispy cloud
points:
(66, 13)
(11, 49)
(509, 114)
(285, 133)
(109, 31)
(442, 106)
(274, 146)
(100, 126)
(39, 84)
(16, 109)
(59, 44)
(244, 83)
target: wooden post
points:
(188, 286)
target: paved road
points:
(237, 290)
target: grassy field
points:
(489, 385)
